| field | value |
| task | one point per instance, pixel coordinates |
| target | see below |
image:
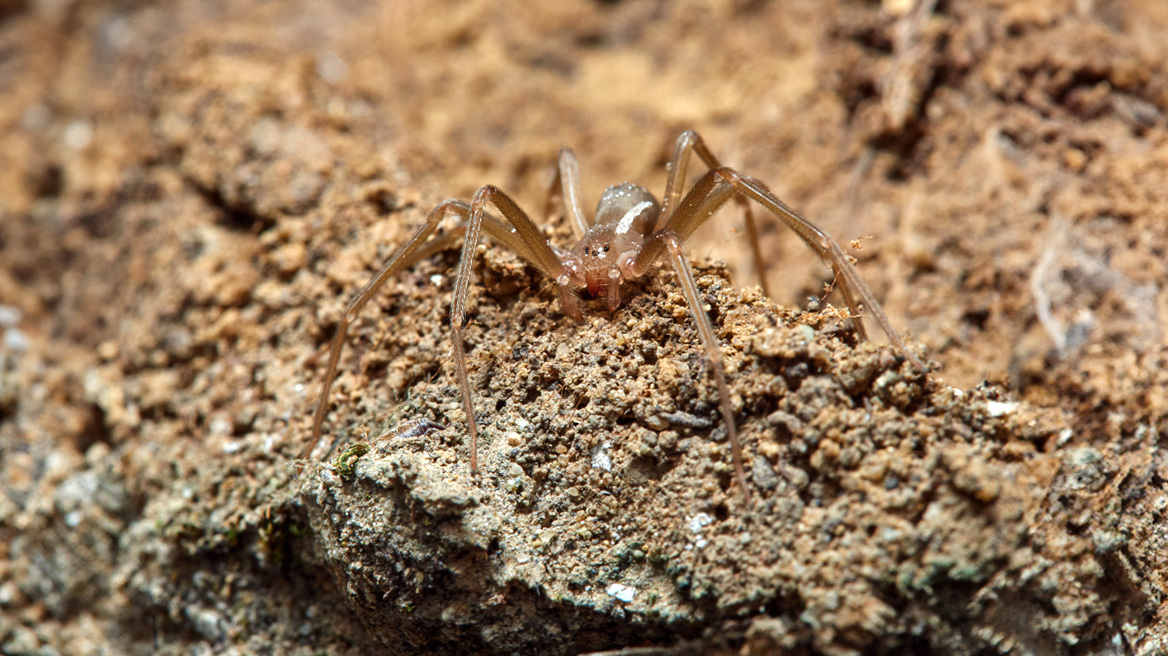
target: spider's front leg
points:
(689, 288)
(718, 186)
(521, 236)
(688, 143)
(414, 249)
(566, 185)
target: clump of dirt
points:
(604, 511)
(190, 194)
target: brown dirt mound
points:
(190, 193)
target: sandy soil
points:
(190, 194)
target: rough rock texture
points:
(190, 193)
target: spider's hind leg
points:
(860, 299)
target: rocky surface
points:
(190, 193)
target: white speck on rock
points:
(77, 134)
(331, 67)
(700, 521)
(808, 333)
(600, 459)
(998, 408)
(206, 622)
(15, 341)
(516, 480)
(9, 316)
(623, 593)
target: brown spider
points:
(624, 241)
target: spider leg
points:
(525, 238)
(853, 287)
(408, 253)
(566, 185)
(689, 288)
(717, 186)
(688, 143)
(711, 192)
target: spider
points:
(628, 235)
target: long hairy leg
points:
(689, 288)
(526, 239)
(687, 144)
(718, 186)
(859, 297)
(408, 253)
(566, 185)
(712, 191)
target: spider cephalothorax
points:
(603, 257)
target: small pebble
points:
(15, 341)
(621, 592)
(9, 316)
